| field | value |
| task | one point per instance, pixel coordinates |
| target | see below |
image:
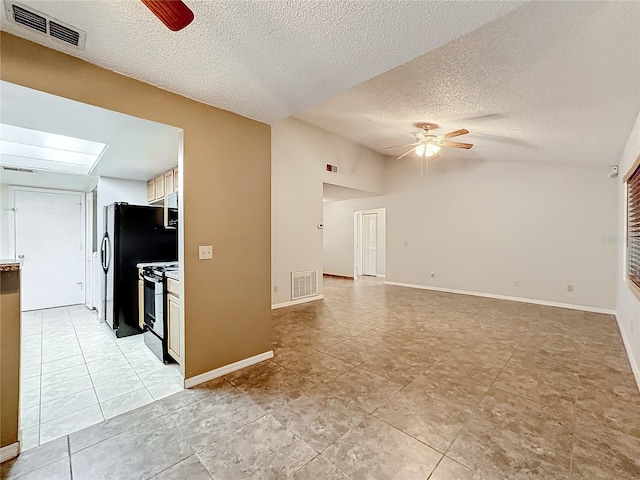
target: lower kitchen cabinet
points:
(173, 318)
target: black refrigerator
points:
(133, 234)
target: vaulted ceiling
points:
(550, 82)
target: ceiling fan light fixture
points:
(428, 149)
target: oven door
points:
(153, 304)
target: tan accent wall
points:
(10, 358)
(227, 182)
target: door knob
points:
(20, 256)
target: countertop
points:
(173, 275)
(10, 265)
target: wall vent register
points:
(44, 24)
(304, 284)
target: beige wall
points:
(226, 175)
(10, 360)
(482, 226)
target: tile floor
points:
(75, 373)
(388, 383)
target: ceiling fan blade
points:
(398, 146)
(406, 153)
(454, 144)
(457, 133)
(173, 13)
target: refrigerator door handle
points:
(105, 253)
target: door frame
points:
(375, 267)
(357, 240)
(88, 250)
(83, 219)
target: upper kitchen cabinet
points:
(169, 182)
(162, 185)
(151, 191)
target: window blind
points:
(633, 227)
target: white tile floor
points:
(75, 373)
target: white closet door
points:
(369, 243)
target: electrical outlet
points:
(205, 252)
(516, 283)
(569, 288)
(275, 289)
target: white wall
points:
(112, 190)
(339, 237)
(5, 223)
(299, 154)
(481, 226)
(627, 305)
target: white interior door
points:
(369, 243)
(49, 237)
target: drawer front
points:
(173, 286)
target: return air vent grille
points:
(44, 24)
(304, 284)
(29, 19)
(15, 169)
(63, 33)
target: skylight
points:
(37, 150)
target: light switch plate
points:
(205, 252)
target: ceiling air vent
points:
(44, 24)
(23, 170)
(63, 33)
(29, 19)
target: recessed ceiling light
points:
(37, 150)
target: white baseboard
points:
(504, 297)
(297, 302)
(380, 276)
(232, 367)
(635, 368)
(9, 451)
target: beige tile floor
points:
(382, 382)
(75, 373)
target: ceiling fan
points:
(428, 145)
(173, 13)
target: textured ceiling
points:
(263, 59)
(551, 82)
(138, 149)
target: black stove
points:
(155, 309)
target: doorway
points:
(48, 237)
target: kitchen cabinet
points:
(175, 179)
(164, 184)
(168, 183)
(159, 181)
(173, 319)
(151, 191)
